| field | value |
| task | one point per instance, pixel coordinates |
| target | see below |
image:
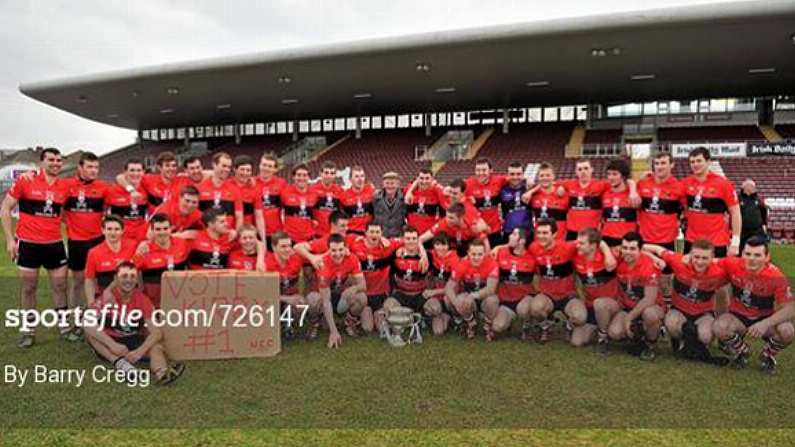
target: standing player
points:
(165, 252)
(314, 250)
(159, 186)
(125, 345)
(710, 197)
(103, 259)
(423, 198)
(211, 247)
(761, 306)
(695, 284)
(193, 176)
(638, 279)
(246, 184)
(357, 201)
(341, 290)
(515, 290)
(545, 201)
(595, 266)
(443, 261)
(130, 202)
(329, 194)
(455, 226)
(38, 242)
(298, 201)
(269, 188)
(219, 192)
(585, 199)
(556, 289)
(484, 188)
(473, 280)
(455, 193)
(184, 214)
(619, 216)
(515, 213)
(83, 217)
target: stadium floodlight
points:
(166, 111)
(761, 70)
(289, 101)
(642, 77)
(172, 91)
(537, 83)
(445, 90)
(223, 106)
(423, 67)
(363, 96)
(285, 79)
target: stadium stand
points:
(599, 136)
(714, 133)
(786, 130)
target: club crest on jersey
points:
(217, 200)
(580, 202)
(134, 212)
(266, 197)
(82, 205)
(215, 260)
(302, 208)
(615, 211)
(513, 275)
(48, 201)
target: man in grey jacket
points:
(389, 206)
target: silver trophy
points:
(398, 320)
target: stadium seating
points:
(714, 133)
(603, 136)
(786, 130)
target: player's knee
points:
(615, 332)
(523, 309)
(785, 332)
(722, 328)
(705, 334)
(652, 316)
(432, 308)
(390, 303)
(491, 305)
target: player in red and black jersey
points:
(515, 290)
(484, 189)
(123, 344)
(423, 201)
(130, 202)
(329, 194)
(298, 201)
(269, 189)
(556, 291)
(454, 224)
(595, 266)
(443, 261)
(183, 213)
(545, 202)
(164, 252)
(761, 306)
(249, 195)
(638, 279)
(375, 257)
(357, 201)
(103, 259)
(695, 284)
(709, 198)
(38, 240)
(473, 280)
(219, 191)
(246, 256)
(456, 193)
(341, 290)
(83, 213)
(314, 250)
(211, 247)
(193, 175)
(159, 186)
(619, 215)
(287, 263)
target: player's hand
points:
(561, 191)
(334, 340)
(232, 235)
(143, 249)
(426, 294)
(385, 242)
(686, 259)
(659, 263)
(12, 249)
(28, 175)
(134, 356)
(408, 198)
(424, 264)
(119, 350)
(316, 261)
(635, 200)
(628, 326)
(734, 250)
(758, 329)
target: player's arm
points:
(722, 298)
(154, 337)
(113, 346)
(90, 287)
(610, 261)
(737, 227)
(528, 196)
(408, 197)
(425, 237)
(9, 203)
(634, 197)
(359, 285)
(450, 289)
(650, 292)
(489, 290)
(186, 234)
(334, 339)
(785, 309)
(259, 222)
(655, 250)
(304, 250)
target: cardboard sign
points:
(220, 315)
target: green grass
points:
(445, 391)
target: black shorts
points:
(414, 302)
(511, 306)
(720, 251)
(591, 318)
(131, 342)
(335, 301)
(78, 252)
(693, 318)
(560, 305)
(376, 302)
(611, 241)
(748, 322)
(33, 255)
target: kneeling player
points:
(288, 264)
(695, 284)
(761, 305)
(443, 261)
(123, 344)
(408, 276)
(638, 279)
(515, 290)
(375, 254)
(341, 290)
(595, 266)
(477, 274)
(557, 293)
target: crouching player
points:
(408, 270)
(126, 343)
(443, 261)
(515, 290)
(595, 266)
(761, 305)
(693, 294)
(341, 289)
(638, 279)
(473, 280)
(288, 264)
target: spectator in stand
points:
(754, 212)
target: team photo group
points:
(495, 255)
